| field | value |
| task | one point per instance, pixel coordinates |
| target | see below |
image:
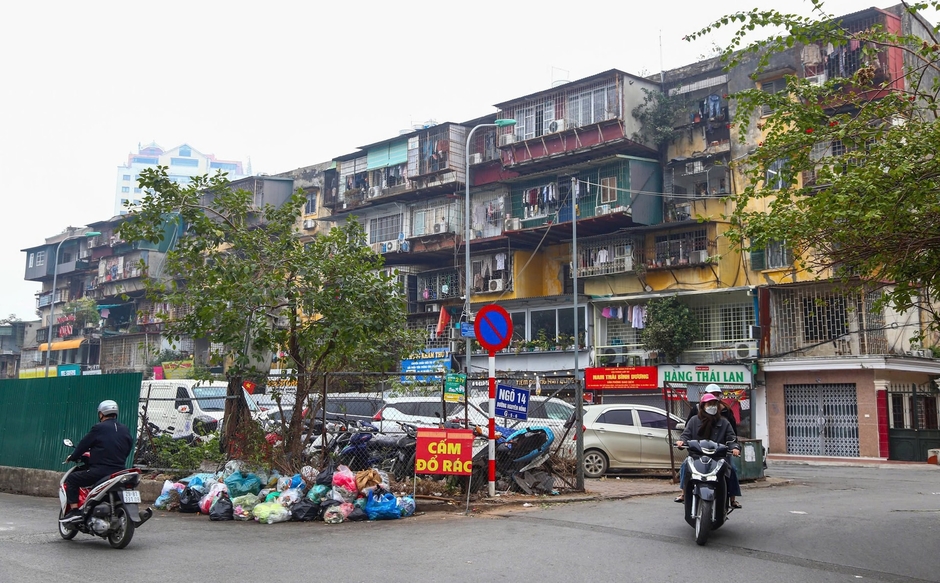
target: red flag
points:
(442, 321)
(249, 386)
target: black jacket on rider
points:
(725, 412)
(721, 432)
(108, 443)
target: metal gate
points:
(822, 420)
(913, 421)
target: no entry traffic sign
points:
(493, 328)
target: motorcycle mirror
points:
(68, 442)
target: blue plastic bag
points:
(384, 507)
(239, 485)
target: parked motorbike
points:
(368, 448)
(707, 504)
(109, 508)
(518, 456)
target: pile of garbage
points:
(333, 495)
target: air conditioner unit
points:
(506, 139)
(476, 158)
(611, 356)
(496, 285)
(920, 353)
(455, 333)
(556, 125)
(375, 191)
(700, 256)
(432, 307)
(746, 349)
(515, 224)
(391, 247)
(309, 223)
(440, 227)
(817, 79)
(93, 242)
(404, 246)
(601, 210)
(377, 248)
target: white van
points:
(184, 406)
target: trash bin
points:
(750, 464)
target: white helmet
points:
(107, 408)
(713, 388)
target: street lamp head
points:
(92, 233)
(501, 123)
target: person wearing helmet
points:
(107, 444)
(725, 411)
(709, 423)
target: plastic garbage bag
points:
(344, 495)
(305, 510)
(272, 496)
(333, 514)
(167, 486)
(309, 475)
(297, 481)
(382, 507)
(270, 512)
(407, 506)
(290, 496)
(367, 479)
(357, 514)
(189, 500)
(345, 478)
(325, 477)
(318, 493)
(222, 509)
(239, 484)
(231, 467)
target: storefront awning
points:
(64, 345)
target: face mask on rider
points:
(712, 409)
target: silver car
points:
(625, 436)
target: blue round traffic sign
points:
(493, 327)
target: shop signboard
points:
(621, 378)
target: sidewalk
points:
(859, 462)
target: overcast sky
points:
(286, 84)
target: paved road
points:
(829, 525)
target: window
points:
(773, 86)
(224, 166)
(617, 417)
(125, 189)
(384, 229)
(735, 320)
(429, 221)
(654, 420)
(311, 205)
(136, 190)
(775, 177)
(191, 162)
(186, 151)
(126, 177)
(593, 105)
(609, 190)
(40, 258)
(777, 255)
(677, 247)
(824, 318)
(29, 263)
(145, 160)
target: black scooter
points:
(707, 504)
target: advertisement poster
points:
(621, 378)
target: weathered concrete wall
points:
(46, 483)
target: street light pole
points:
(55, 273)
(499, 123)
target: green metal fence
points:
(37, 414)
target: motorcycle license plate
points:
(131, 496)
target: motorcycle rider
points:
(108, 443)
(708, 423)
(722, 408)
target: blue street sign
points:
(512, 402)
(466, 330)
